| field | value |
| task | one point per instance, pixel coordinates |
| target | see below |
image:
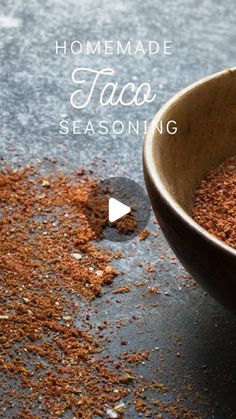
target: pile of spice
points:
(215, 202)
(49, 263)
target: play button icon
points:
(117, 210)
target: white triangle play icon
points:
(117, 210)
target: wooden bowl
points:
(174, 165)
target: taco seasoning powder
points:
(215, 202)
(51, 267)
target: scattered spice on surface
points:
(121, 290)
(50, 264)
(215, 202)
(135, 357)
(149, 268)
(154, 290)
(46, 252)
(143, 234)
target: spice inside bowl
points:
(215, 202)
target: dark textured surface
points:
(34, 91)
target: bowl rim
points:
(152, 171)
